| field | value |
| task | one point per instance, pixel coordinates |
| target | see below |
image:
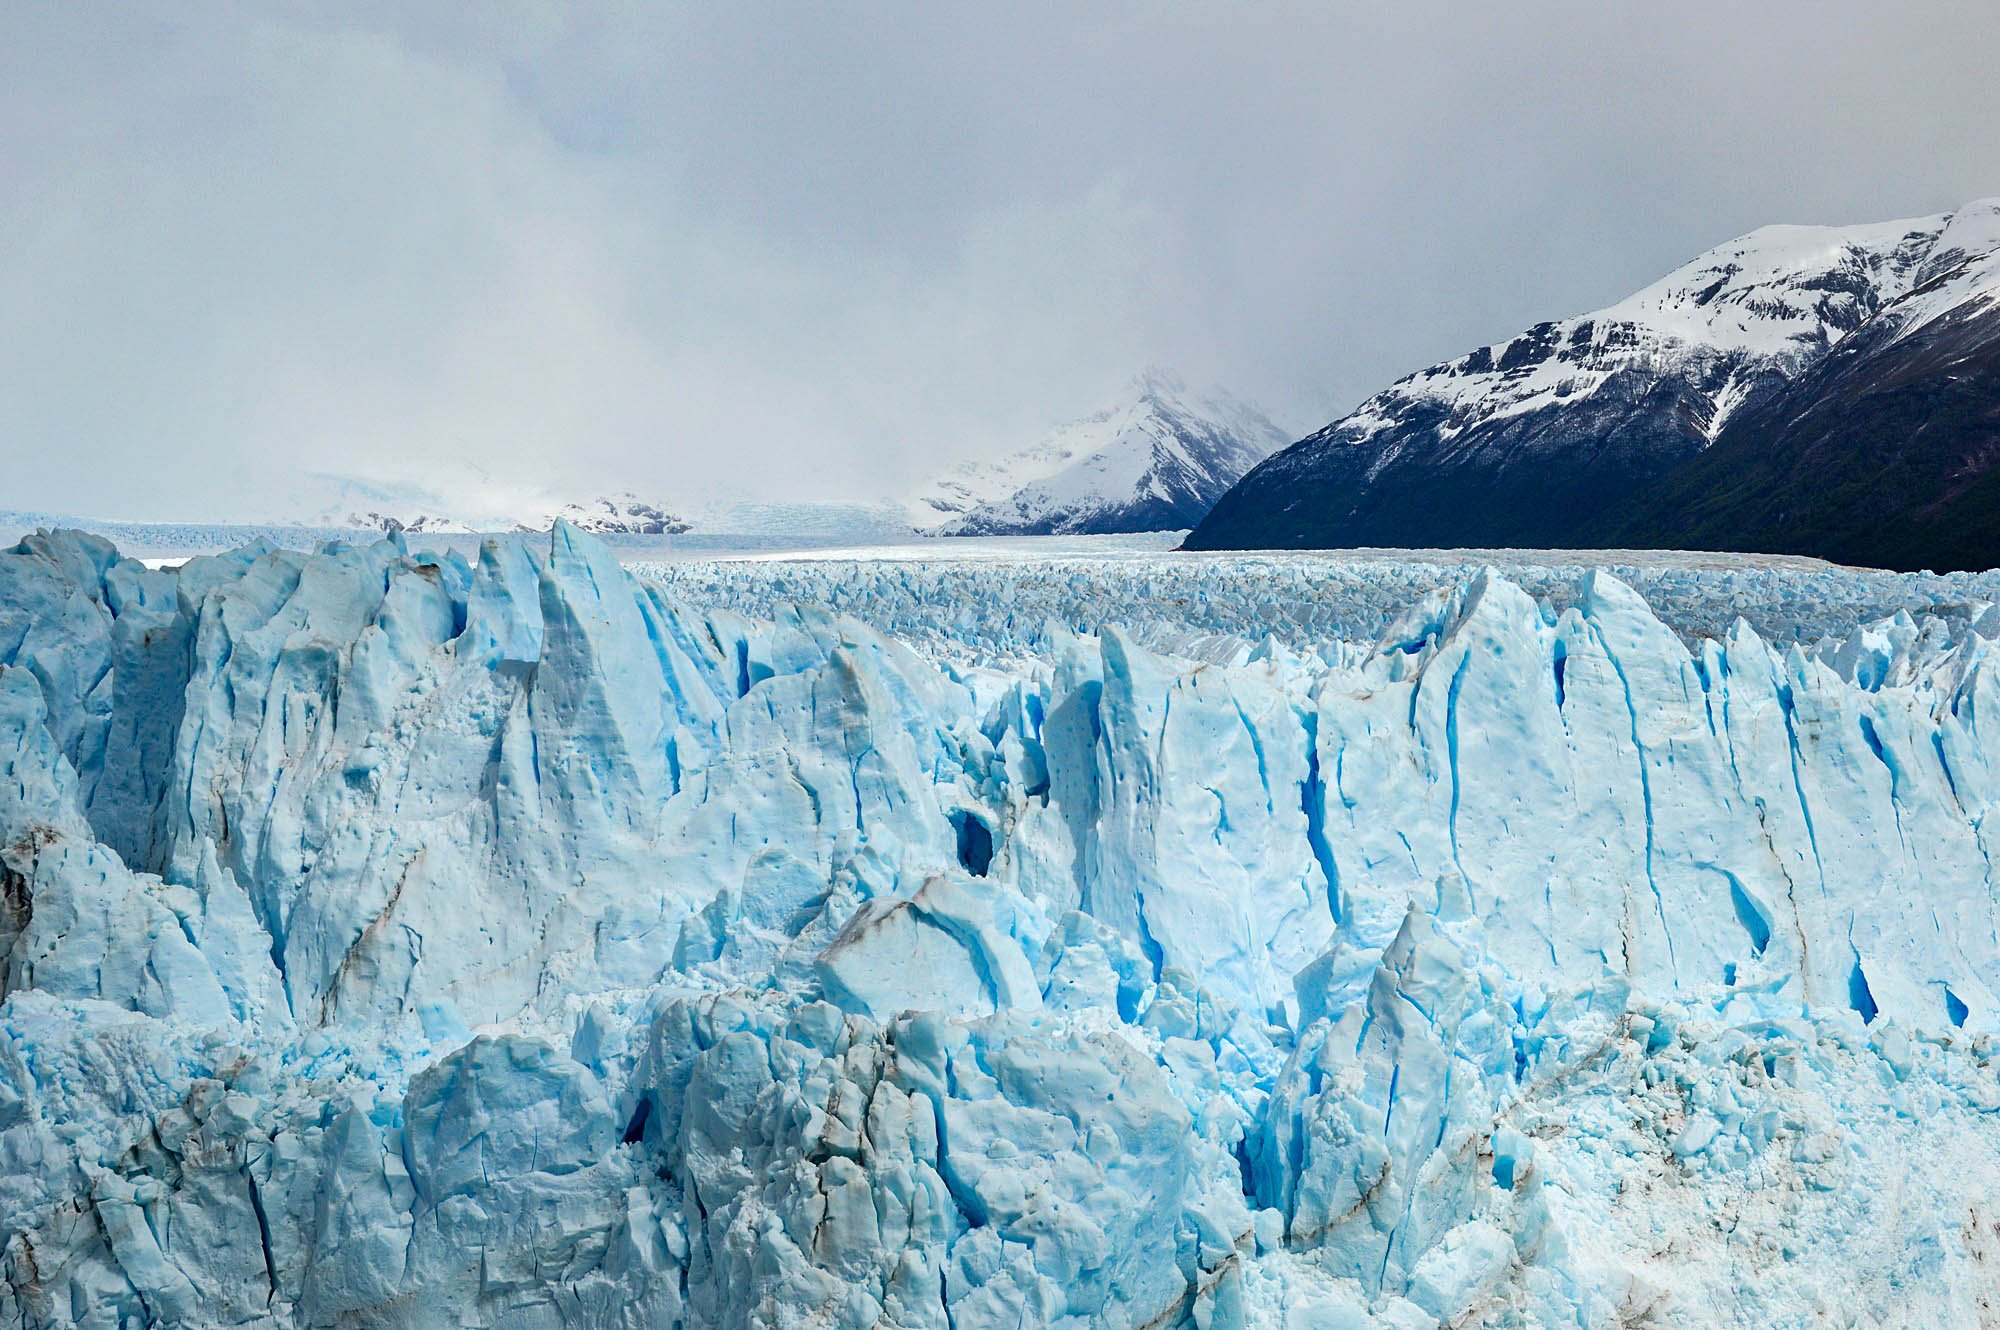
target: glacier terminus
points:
(517, 939)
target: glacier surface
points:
(401, 939)
(995, 599)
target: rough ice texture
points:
(1221, 605)
(394, 940)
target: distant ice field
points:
(1005, 596)
(167, 543)
(1002, 594)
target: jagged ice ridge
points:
(395, 939)
(1218, 608)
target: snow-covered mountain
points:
(1885, 451)
(721, 513)
(1156, 462)
(357, 503)
(470, 509)
(412, 521)
(510, 939)
(623, 514)
(1545, 439)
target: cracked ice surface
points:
(949, 602)
(389, 939)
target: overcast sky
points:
(814, 250)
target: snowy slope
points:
(623, 514)
(392, 940)
(1526, 442)
(478, 509)
(975, 483)
(322, 499)
(1154, 463)
(461, 499)
(1884, 451)
(1759, 307)
(414, 521)
(1960, 274)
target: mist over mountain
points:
(1155, 462)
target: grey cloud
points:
(821, 248)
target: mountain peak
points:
(1539, 440)
(623, 513)
(1154, 461)
(1156, 381)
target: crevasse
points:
(399, 940)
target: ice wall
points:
(397, 940)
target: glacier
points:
(403, 939)
(993, 600)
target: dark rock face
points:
(1518, 481)
(1769, 396)
(1886, 453)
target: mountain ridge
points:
(1907, 409)
(1556, 437)
(1155, 462)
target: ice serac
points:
(392, 939)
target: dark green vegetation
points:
(1885, 453)
(1881, 455)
